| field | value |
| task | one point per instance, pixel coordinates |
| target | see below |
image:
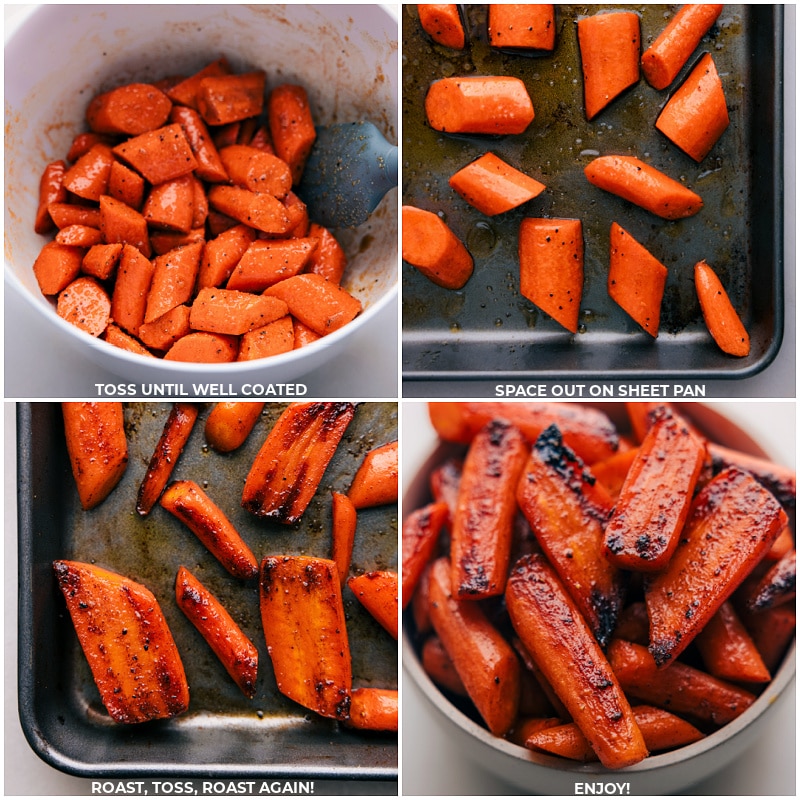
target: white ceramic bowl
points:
(58, 56)
(758, 428)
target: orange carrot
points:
(662, 61)
(222, 254)
(777, 586)
(445, 480)
(164, 331)
(86, 305)
(204, 348)
(636, 279)
(780, 480)
(159, 155)
(609, 45)
(377, 592)
(260, 211)
(345, 519)
(129, 300)
(56, 266)
(170, 205)
(782, 545)
(101, 260)
(375, 481)
(439, 666)
(126, 185)
(84, 142)
(222, 99)
(328, 257)
(772, 630)
(209, 164)
(121, 223)
(722, 321)
(266, 263)
(633, 624)
(184, 93)
(530, 26)
(374, 709)
(442, 22)
(297, 211)
(65, 214)
(116, 336)
(229, 424)
(51, 190)
(291, 126)
(551, 267)
(420, 534)
(88, 176)
(493, 186)
(132, 109)
(271, 339)
(164, 241)
(431, 247)
(232, 312)
(639, 183)
(253, 169)
(303, 335)
(174, 276)
(79, 236)
(611, 472)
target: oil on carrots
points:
(722, 321)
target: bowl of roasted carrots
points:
(599, 592)
(153, 161)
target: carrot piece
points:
(261, 140)
(79, 236)
(345, 519)
(185, 92)
(375, 481)
(493, 186)
(484, 661)
(439, 666)
(636, 280)
(164, 241)
(257, 171)
(131, 109)
(229, 424)
(164, 331)
(237, 653)
(420, 533)
(209, 164)
(222, 99)
(445, 480)
(303, 335)
(539, 677)
(56, 266)
(126, 185)
(88, 176)
(611, 471)
(431, 247)
(609, 45)
(662, 61)
(531, 26)
(420, 602)
(116, 336)
(732, 524)
(86, 305)
(722, 321)
(551, 627)
(247, 129)
(97, 448)
(232, 312)
(266, 263)
(696, 115)
(222, 254)
(728, 651)
(289, 466)
(159, 155)
(771, 630)
(261, 211)
(487, 104)
(84, 142)
(526, 726)
(51, 190)
(127, 642)
(780, 480)
(120, 223)
(204, 348)
(291, 126)
(782, 545)
(648, 518)
(377, 592)
(374, 709)
(101, 260)
(633, 624)
(174, 276)
(777, 586)
(170, 205)
(328, 257)
(271, 339)
(129, 300)
(551, 267)
(299, 221)
(442, 22)
(306, 632)
(639, 183)
(174, 436)
(318, 303)
(567, 510)
(65, 214)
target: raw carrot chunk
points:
(132, 109)
(209, 165)
(88, 177)
(303, 335)
(184, 93)
(129, 300)
(164, 331)
(267, 262)
(530, 26)
(204, 348)
(86, 305)
(297, 211)
(174, 276)
(722, 321)
(65, 214)
(101, 260)
(328, 257)
(79, 236)
(229, 98)
(260, 211)
(442, 22)
(84, 142)
(56, 266)
(222, 254)
(164, 241)
(159, 155)
(120, 223)
(272, 339)
(232, 312)
(291, 126)
(126, 185)
(257, 171)
(170, 205)
(51, 190)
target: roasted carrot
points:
(609, 45)
(209, 164)
(131, 109)
(493, 186)
(271, 339)
(732, 524)
(88, 176)
(782, 545)
(772, 630)
(445, 480)
(97, 448)
(86, 305)
(174, 436)
(57, 266)
(633, 624)
(222, 254)
(232, 312)
(266, 263)
(431, 247)
(204, 348)
(126, 185)
(722, 321)
(442, 22)
(328, 258)
(632, 179)
(780, 480)
(170, 205)
(420, 602)
(164, 331)
(439, 666)
(260, 211)
(184, 93)
(343, 533)
(256, 170)
(696, 115)
(484, 661)
(662, 61)
(127, 642)
(374, 709)
(611, 472)
(159, 155)
(551, 267)
(291, 126)
(487, 104)
(551, 627)
(527, 726)
(229, 424)
(121, 223)
(51, 190)
(129, 300)
(420, 535)
(222, 99)
(377, 592)
(101, 260)
(174, 276)
(237, 653)
(777, 586)
(290, 464)
(530, 26)
(539, 677)
(116, 336)
(375, 481)
(636, 279)
(306, 632)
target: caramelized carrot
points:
(439, 666)
(777, 586)
(531, 26)
(174, 276)
(229, 424)
(551, 267)
(772, 630)
(222, 99)
(260, 211)
(86, 305)
(131, 109)
(541, 680)
(170, 205)
(431, 247)
(420, 535)
(159, 155)
(442, 22)
(266, 263)
(101, 260)
(722, 321)
(782, 545)
(328, 257)
(377, 592)
(526, 727)
(374, 709)
(164, 331)
(445, 480)
(345, 519)
(57, 266)
(121, 223)
(291, 126)
(375, 481)
(780, 480)
(129, 300)
(51, 190)
(204, 348)
(209, 164)
(232, 312)
(271, 339)
(609, 45)
(612, 471)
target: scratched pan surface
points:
(488, 329)
(223, 733)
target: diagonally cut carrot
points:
(722, 321)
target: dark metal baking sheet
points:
(223, 733)
(487, 329)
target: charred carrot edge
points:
(290, 464)
(771, 630)
(229, 424)
(97, 448)
(170, 445)
(551, 267)
(487, 104)
(778, 585)
(302, 614)
(681, 688)
(439, 666)
(528, 726)
(421, 529)
(723, 323)
(732, 524)
(345, 521)
(377, 592)
(567, 510)
(482, 528)
(130, 109)
(442, 22)
(662, 61)
(552, 629)
(51, 190)
(85, 304)
(637, 182)
(484, 661)
(445, 480)
(206, 520)
(127, 642)
(374, 709)
(609, 46)
(531, 26)
(375, 481)
(611, 471)
(432, 247)
(237, 653)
